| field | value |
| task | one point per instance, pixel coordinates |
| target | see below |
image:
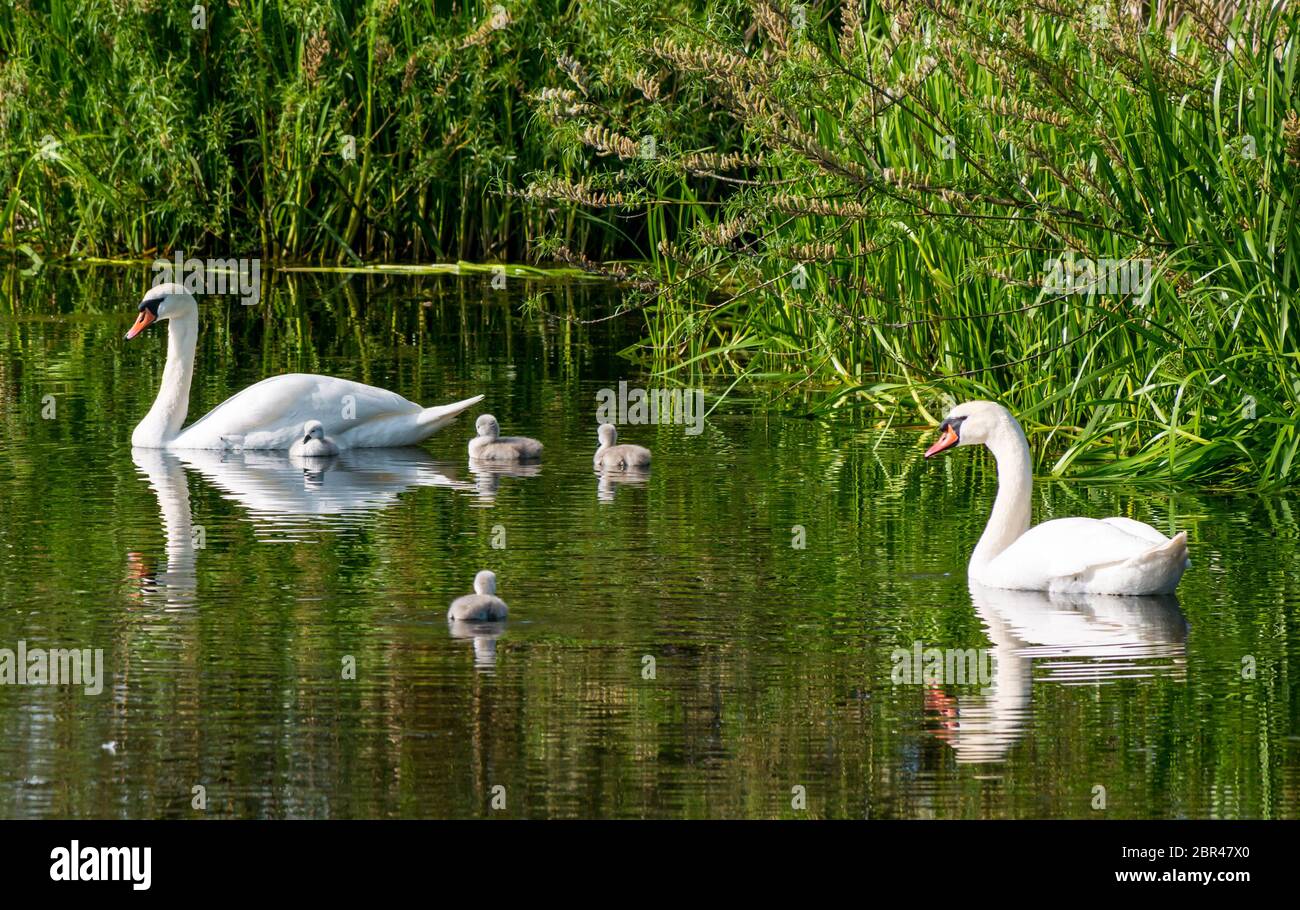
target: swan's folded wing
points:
(270, 414)
(1137, 529)
(1064, 548)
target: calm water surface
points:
(671, 650)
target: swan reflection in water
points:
(1076, 639)
(284, 497)
(484, 635)
(176, 581)
(610, 479)
(488, 474)
(284, 493)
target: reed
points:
(335, 131)
(861, 199)
(885, 188)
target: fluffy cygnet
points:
(483, 605)
(314, 442)
(615, 457)
(490, 445)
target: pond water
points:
(721, 638)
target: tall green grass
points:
(903, 172)
(331, 131)
(861, 198)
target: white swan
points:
(481, 606)
(270, 414)
(1067, 555)
(612, 457)
(314, 442)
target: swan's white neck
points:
(165, 418)
(1010, 516)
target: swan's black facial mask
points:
(949, 436)
(148, 316)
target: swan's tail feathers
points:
(1163, 565)
(431, 420)
(1176, 549)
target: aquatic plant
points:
(1085, 211)
(328, 131)
(1082, 210)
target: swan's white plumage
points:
(1083, 555)
(1137, 529)
(1067, 555)
(270, 414)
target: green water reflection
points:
(229, 591)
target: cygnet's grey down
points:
(490, 445)
(314, 442)
(618, 457)
(481, 606)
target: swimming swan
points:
(615, 457)
(1066, 555)
(270, 414)
(481, 606)
(314, 442)
(490, 445)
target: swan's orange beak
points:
(142, 322)
(946, 440)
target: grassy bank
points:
(903, 180)
(327, 131)
(900, 204)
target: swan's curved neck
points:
(165, 418)
(1010, 516)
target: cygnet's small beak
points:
(307, 438)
